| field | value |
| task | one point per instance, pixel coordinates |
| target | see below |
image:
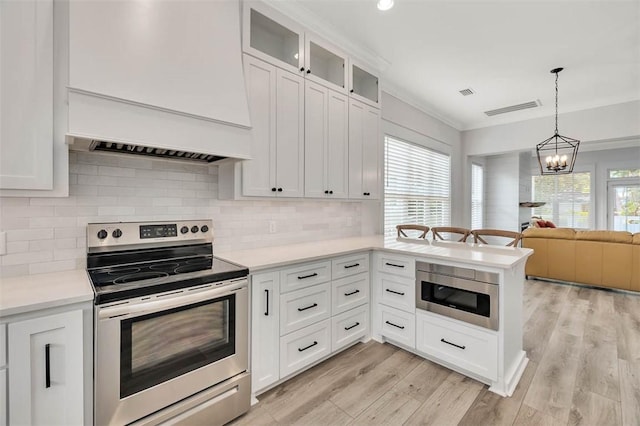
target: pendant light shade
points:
(557, 155)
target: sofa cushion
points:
(605, 236)
(636, 238)
(557, 233)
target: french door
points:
(623, 207)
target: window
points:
(477, 196)
(567, 198)
(623, 204)
(624, 173)
(416, 186)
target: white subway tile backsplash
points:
(49, 234)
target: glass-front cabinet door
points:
(325, 64)
(364, 84)
(272, 37)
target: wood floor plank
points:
(449, 403)
(528, 416)
(367, 388)
(392, 408)
(630, 392)
(592, 409)
(551, 389)
(628, 332)
(423, 380)
(324, 414)
(495, 410)
(256, 416)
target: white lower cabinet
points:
(397, 291)
(46, 370)
(301, 316)
(349, 326)
(398, 326)
(304, 347)
(265, 329)
(304, 307)
(3, 397)
(456, 344)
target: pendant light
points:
(557, 155)
(385, 4)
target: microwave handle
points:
(127, 310)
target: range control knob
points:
(184, 229)
(117, 233)
(204, 228)
(194, 229)
(102, 234)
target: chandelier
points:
(557, 155)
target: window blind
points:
(567, 198)
(417, 186)
(477, 196)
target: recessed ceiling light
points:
(385, 4)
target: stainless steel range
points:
(171, 325)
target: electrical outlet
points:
(272, 226)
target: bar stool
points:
(412, 227)
(453, 232)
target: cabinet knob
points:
(273, 189)
(308, 71)
(351, 91)
(301, 68)
(326, 192)
(279, 189)
(330, 192)
(366, 193)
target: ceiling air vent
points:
(526, 105)
(466, 92)
(125, 148)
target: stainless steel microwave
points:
(460, 293)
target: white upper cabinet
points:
(164, 74)
(364, 143)
(326, 142)
(325, 64)
(26, 94)
(272, 37)
(364, 84)
(276, 102)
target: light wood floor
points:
(584, 369)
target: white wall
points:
(502, 179)
(49, 234)
(406, 122)
(620, 121)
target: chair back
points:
(423, 229)
(454, 234)
(512, 238)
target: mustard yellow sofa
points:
(598, 258)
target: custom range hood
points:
(162, 79)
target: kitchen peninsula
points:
(311, 300)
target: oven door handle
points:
(128, 310)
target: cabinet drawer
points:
(306, 275)
(304, 307)
(3, 345)
(397, 265)
(457, 344)
(397, 292)
(304, 347)
(349, 292)
(349, 327)
(398, 326)
(349, 265)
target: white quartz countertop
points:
(35, 292)
(476, 254)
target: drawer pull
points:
(354, 325)
(315, 274)
(395, 292)
(47, 365)
(401, 327)
(307, 307)
(266, 312)
(452, 344)
(394, 265)
(352, 293)
(351, 266)
(307, 347)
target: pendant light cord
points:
(557, 103)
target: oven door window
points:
(456, 298)
(160, 346)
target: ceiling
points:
(503, 50)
